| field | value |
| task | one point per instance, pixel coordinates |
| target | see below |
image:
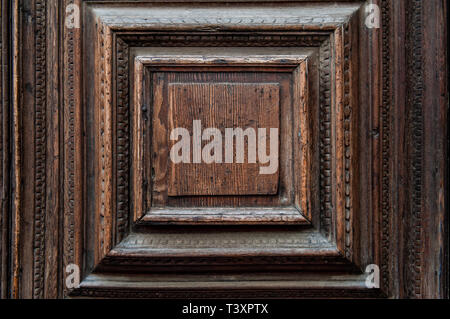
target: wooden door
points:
(223, 149)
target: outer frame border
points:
(15, 251)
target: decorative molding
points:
(252, 285)
(415, 99)
(322, 42)
(40, 147)
(102, 105)
(122, 131)
(104, 143)
(304, 23)
(412, 257)
(326, 205)
(348, 140)
(386, 120)
(69, 137)
(121, 55)
(232, 19)
(121, 259)
(224, 40)
(228, 294)
(122, 140)
(292, 63)
(386, 110)
(227, 240)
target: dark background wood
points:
(406, 166)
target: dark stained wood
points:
(222, 106)
(5, 188)
(283, 194)
(85, 176)
(285, 68)
(225, 216)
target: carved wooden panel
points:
(223, 105)
(259, 88)
(292, 66)
(102, 94)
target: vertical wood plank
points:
(5, 14)
(72, 149)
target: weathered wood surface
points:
(223, 106)
(367, 146)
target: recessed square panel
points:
(218, 137)
(228, 124)
(136, 63)
(189, 101)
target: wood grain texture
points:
(160, 194)
(16, 150)
(73, 150)
(370, 123)
(159, 80)
(225, 216)
(426, 96)
(232, 65)
(5, 52)
(224, 106)
(104, 143)
(223, 287)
